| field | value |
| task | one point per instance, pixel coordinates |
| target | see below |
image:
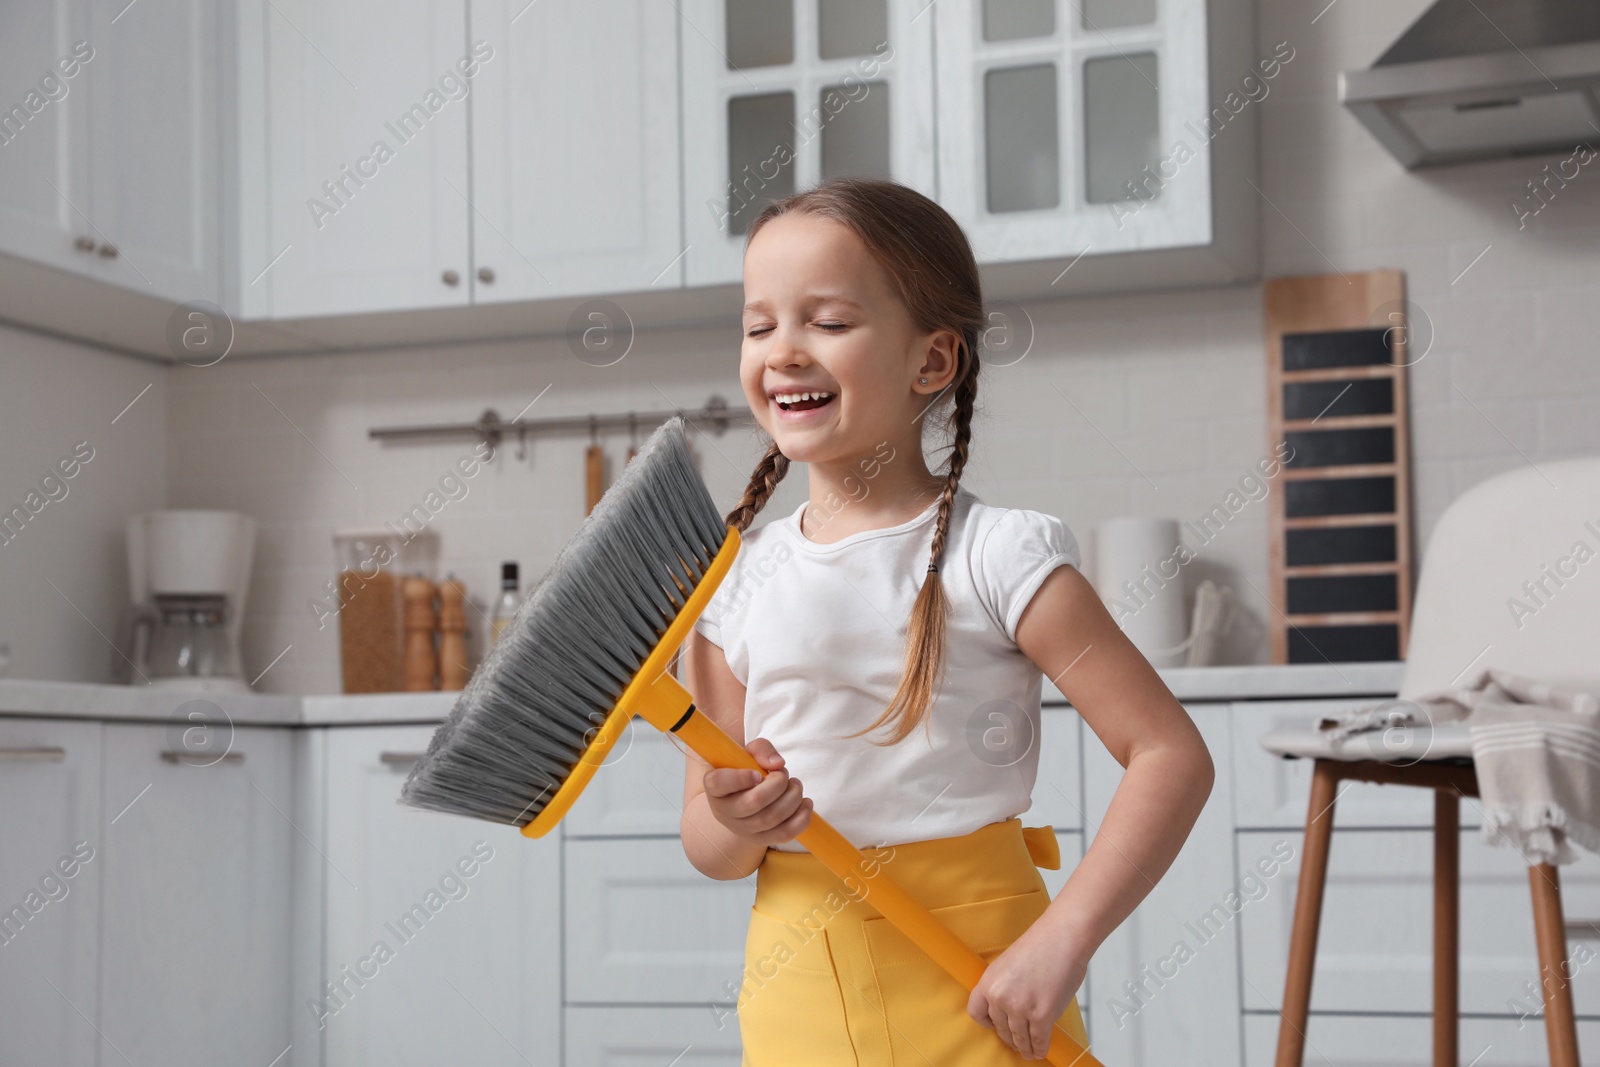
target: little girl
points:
(862, 319)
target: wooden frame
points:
(1325, 303)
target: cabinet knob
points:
(486, 275)
(84, 244)
(108, 251)
(450, 277)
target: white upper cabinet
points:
(44, 133)
(575, 149)
(109, 162)
(369, 197)
(781, 94)
(156, 185)
(1072, 129)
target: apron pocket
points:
(926, 1009)
(791, 1010)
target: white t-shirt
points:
(816, 633)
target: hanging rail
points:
(715, 416)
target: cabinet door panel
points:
(154, 159)
(1374, 951)
(638, 790)
(730, 170)
(1016, 126)
(1164, 986)
(1273, 792)
(575, 149)
(443, 933)
(49, 822)
(44, 142)
(368, 155)
(643, 926)
(633, 1037)
(195, 959)
(1058, 790)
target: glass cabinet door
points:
(1060, 120)
(781, 94)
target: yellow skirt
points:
(829, 982)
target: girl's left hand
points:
(1025, 989)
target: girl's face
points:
(821, 317)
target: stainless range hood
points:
(1482, 79)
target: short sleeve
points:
(709, 624)
(1018, 553)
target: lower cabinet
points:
(442, 939)
(52, 855)
(636, 1036)
(195, 911)
(1407, 1041)
(1371, 991)
(1166, 982)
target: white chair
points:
(1498, 542)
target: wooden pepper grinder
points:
(594, 463)
(452, 635)
(420, 621)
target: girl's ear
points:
(941, 359)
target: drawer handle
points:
(399, 759)
(200, 759)
(41, 754)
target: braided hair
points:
(931, 265)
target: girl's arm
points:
(713, 848)
(1067, 632)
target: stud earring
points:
(924, 381)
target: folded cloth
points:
(1536, 749)
(1393, 714)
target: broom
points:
(590, 648)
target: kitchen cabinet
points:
(195, 915)
(50, 876)
(443, 934)
(575, 186)
(369, 196)
(1070, 130)
(643, 926)
(113, 170)
(780, 95)
(1166, 980)
(567, 185)
(1407, 1041)
(1375, 950)
(634, 1035)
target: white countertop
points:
(1192, 685)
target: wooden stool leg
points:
(1549, 930)
(1307, 917)
(1446, 925)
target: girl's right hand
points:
(764, 810)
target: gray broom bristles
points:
(533, 705)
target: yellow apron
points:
(829, 982)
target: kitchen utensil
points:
(452, 634)
(591, 648)
(421, 661)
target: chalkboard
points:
(1340, 517)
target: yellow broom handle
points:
(907, 913)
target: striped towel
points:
(1536, 749)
